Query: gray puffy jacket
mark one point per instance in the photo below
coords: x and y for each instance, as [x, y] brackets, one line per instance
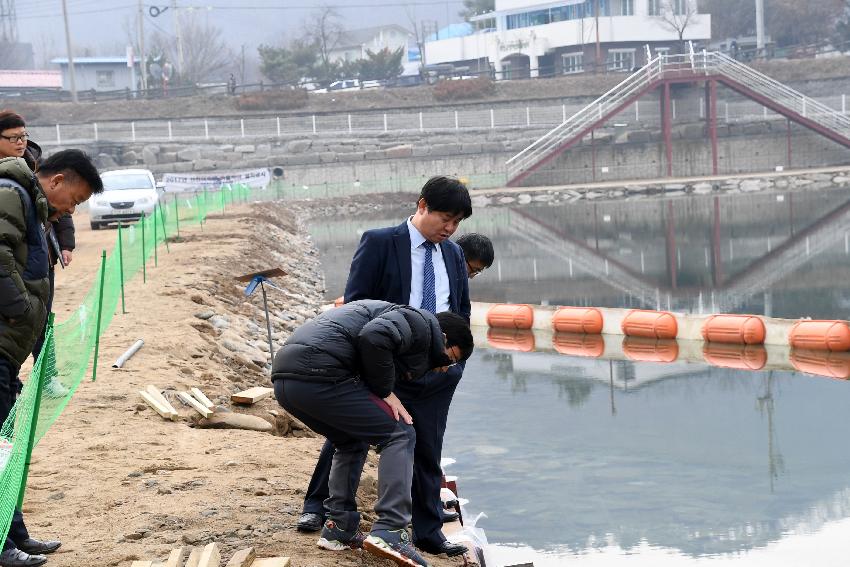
[379, 341]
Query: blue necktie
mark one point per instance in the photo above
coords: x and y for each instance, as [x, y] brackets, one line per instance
[429, 294]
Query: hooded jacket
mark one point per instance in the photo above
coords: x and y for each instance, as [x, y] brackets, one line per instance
[378, 341]
[24, 264]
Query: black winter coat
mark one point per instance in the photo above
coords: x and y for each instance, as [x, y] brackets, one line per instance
[379, 341]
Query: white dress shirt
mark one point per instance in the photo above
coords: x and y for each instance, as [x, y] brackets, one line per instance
[417, 265]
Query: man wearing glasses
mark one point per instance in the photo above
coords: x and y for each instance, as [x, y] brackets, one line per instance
[478, 251]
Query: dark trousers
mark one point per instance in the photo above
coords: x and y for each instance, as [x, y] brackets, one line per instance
[427, 400]
[353, 418]
[36, 350]
[9, 389]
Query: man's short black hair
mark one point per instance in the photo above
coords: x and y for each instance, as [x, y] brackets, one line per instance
[73, 162]
[457, 333]
[477, 248]
[447, 195]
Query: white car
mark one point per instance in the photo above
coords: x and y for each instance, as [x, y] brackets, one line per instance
[127, 194]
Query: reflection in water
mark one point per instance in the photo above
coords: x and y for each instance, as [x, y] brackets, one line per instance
[603, 461]
[774, 254]
[600, 453]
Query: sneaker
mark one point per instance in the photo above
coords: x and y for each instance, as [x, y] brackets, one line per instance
[53, 388]
[336, 539]
[394, 545]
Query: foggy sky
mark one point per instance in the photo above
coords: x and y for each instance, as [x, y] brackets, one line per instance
[101, 25]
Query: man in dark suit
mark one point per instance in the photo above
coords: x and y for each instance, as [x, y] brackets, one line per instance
[416, 264]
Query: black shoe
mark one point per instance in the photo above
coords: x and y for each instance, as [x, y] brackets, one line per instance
[447, 547]
[450, 516]
[17, 558]
[33, 546]
[309, 522]
[450, 504]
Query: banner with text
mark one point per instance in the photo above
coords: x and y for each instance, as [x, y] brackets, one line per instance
[176, 182]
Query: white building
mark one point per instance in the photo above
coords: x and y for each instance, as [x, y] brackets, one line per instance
[531, 38]
[353, 44]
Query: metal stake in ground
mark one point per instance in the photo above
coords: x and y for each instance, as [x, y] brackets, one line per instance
[258, 279]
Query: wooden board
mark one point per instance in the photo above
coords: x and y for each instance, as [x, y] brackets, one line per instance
[194, 557]
[242, 558]
[141, 564]
[157, 395]
[175, 558]
[199, 407]
[202, 398]
[251, 395]
[158, 407]
[271, 562]
[211, 556]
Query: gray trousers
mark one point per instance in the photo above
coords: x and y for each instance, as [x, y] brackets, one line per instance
[352, 418]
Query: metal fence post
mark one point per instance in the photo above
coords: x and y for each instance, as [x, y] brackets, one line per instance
[170, 136]
[528, 116]
[206, 129]
[385, 122]
[121, 265]
[314, 123]
[242, 126]
[457, 121]
[349, 124]
[492, 119]
[278, 126]
[58, 135]
[99, 313]
[95, 131]
[421, 125]
[133, 131]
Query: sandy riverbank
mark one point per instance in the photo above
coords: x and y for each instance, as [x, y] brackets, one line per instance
[117, 483]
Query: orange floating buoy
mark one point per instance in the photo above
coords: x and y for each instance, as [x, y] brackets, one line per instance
[508, 316]
[521, 340]
[734, 329]
[821, 363]
[574, 344]
[739, 357]
[339, 301]
[650, 324]
[642, 349]
[586, 320]
[820, 335]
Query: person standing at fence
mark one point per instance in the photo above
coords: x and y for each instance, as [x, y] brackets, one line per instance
[416, 264]
[15, 142]
[27, 202]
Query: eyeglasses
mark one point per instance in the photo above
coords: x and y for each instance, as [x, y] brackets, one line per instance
[473, 271]
[18, 138]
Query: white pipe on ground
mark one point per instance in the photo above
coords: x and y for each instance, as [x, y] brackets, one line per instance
[130, 352]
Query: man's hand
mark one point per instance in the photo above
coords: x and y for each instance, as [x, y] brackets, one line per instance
[66, 257]
[398, 409]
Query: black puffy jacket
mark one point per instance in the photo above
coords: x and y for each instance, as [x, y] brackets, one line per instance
[379, 341]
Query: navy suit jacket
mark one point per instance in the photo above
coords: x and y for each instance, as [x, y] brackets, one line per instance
[381, 269]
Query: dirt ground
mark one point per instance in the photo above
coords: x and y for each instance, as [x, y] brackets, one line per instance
[116, 482]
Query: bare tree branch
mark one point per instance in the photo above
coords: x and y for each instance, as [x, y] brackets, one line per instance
[678, 15]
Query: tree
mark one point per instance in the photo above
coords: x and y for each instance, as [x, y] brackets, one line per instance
[678, 15]
[476, 8]
[323, 30]
[791, 22]
[730, 18]
[206, 56]
[383, 65]
[287, 64]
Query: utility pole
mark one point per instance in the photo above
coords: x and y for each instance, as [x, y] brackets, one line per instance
[760, 26]
[71, 78]
[598, 46]
[143, 67]
[178, 35]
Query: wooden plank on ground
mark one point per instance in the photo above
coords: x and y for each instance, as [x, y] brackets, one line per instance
[251, 395]
[272, 562]
[194, 557]
[200, 408]
[210, 556]
[242, 558]
[157, 395]
[202, 398]
[158, 407]
[175, 558]
[141, 564]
